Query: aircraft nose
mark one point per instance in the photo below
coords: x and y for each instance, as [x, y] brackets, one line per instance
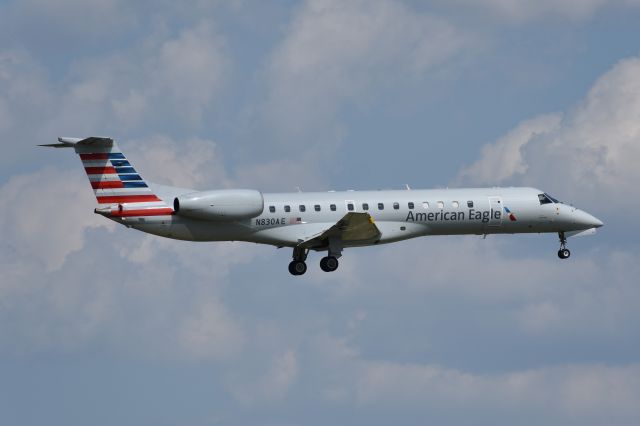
[583, 218]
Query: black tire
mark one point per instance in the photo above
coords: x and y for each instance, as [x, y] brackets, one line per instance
[566, 253]
[560, 254]
[329, 264]
[297, 267]
[323, 264]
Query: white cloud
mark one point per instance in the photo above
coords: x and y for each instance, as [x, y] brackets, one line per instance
[503, 159]
[160, 77]
[592, 394]
[210, 333]
[338, 52]
[191, 163]
[45, 215]
[191, 68]
[273, 385]
[592, 150]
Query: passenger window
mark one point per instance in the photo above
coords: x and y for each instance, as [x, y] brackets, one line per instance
[317, 207]
[302, 207]
[365, 206]
[411, 205]
[332, 207]
[380, 206]
[470, 204]
[455, 204]
[350, 207]
[425, 204]
[272, 209]
[396, 206]
[441, 204]
[287, 209]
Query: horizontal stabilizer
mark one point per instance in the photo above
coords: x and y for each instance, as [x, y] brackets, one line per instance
[71, 142]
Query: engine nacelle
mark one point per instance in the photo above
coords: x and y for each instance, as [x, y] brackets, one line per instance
[220, 205]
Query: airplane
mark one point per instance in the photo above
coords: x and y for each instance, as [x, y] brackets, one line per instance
[319, 221]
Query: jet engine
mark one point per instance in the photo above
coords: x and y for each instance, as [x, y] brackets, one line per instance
[220, 205]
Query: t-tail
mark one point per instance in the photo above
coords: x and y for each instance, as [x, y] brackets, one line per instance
[118, 187]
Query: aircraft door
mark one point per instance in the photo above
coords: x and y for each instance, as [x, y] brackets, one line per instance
[495, 218]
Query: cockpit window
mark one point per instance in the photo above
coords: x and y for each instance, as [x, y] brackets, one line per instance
[544, 199]
[551, 198]
[547, 199]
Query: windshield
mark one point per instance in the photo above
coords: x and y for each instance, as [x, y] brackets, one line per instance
[547, 199]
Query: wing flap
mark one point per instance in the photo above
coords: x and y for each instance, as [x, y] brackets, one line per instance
[352, 228]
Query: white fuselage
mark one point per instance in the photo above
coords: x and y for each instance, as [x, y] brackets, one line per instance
[289, 218]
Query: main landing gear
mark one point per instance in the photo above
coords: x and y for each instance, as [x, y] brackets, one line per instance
[564, 252]
[328, 263]
[297, 265]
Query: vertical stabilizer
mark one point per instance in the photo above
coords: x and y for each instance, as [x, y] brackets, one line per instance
[118, 187]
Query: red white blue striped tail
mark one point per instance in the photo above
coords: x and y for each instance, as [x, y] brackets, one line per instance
[118, 187]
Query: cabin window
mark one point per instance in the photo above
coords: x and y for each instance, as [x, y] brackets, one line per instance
[455, 204]
[470, 204]
[380, 206]
[365, 206]
[441, 204]
[425, 204]
[317, 207]
[272, 209]
[332, 207]
[411, 205]
[287, 209]
[350, 207]
[302, 207]
[396, 206]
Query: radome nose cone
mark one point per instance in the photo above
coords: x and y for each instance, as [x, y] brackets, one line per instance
[588, 221]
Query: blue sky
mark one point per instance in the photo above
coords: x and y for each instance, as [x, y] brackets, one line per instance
[104, 325]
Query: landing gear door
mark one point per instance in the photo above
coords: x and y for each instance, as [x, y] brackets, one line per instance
[495, 218]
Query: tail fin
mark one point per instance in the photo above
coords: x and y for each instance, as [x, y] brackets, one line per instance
[119, 189]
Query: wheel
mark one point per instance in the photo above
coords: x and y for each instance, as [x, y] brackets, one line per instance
[564, 253]
[329, 264]
[297, 267]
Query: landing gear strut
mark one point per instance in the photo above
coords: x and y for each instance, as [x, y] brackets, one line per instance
[297, 265]
[564, 252]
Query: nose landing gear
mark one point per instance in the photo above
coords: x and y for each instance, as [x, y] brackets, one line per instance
[564, 252]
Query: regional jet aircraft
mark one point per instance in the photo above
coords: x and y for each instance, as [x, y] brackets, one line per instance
[320, 221]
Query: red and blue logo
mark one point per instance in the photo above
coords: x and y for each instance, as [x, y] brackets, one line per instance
[512, 217]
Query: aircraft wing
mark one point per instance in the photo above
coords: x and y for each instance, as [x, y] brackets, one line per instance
[352, 228]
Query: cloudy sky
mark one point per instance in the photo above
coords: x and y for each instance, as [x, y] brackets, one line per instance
[103, 325]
